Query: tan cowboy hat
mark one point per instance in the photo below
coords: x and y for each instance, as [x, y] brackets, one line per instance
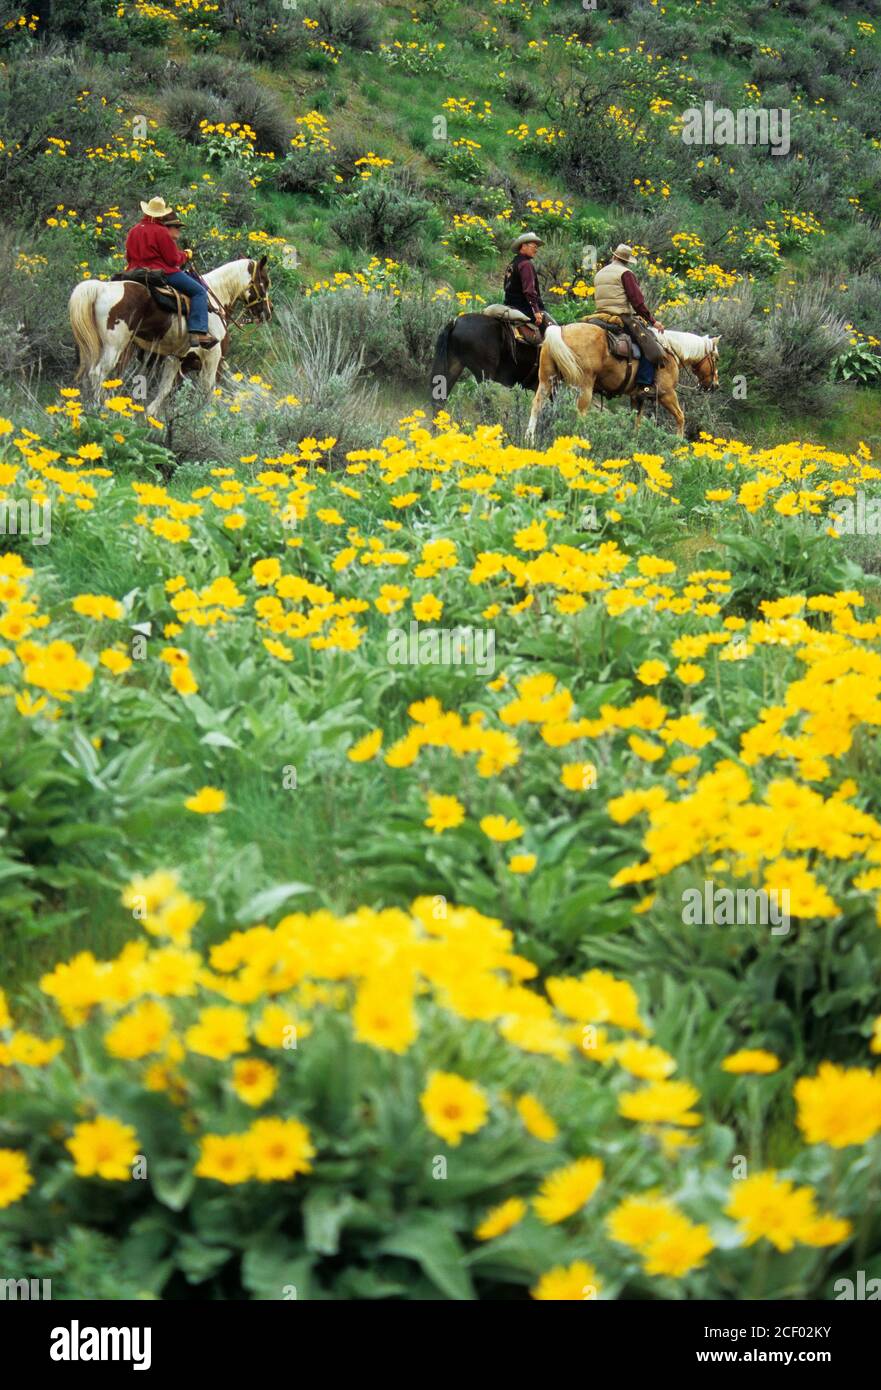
[524, 238]
[623, 252]
[157, 207]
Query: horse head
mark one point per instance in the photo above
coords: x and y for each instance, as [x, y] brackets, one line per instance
[707, 369]
[242, 288]
[257, 305]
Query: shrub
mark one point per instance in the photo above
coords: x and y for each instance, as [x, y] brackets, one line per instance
[104, 24]
[519, 92]
[266, 30]
[802, 338]
[231, 92]
[38, 100]
[304, 170]
[344, 23]
[396, 333]
[322, 364]
[37, 284]
[386, 216]
[186, 107]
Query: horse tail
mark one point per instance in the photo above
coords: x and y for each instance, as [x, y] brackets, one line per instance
[85, 326]
[441, 364]
[563, 357]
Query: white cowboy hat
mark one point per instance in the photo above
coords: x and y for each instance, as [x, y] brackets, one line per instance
[157, 207]
[524, 238]
[623, 252]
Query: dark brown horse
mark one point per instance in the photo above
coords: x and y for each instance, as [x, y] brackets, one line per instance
[484, 346]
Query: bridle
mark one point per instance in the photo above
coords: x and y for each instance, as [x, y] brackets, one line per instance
[694, 367]
[255, 296]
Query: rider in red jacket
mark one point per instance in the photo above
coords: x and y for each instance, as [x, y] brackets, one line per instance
[151, 245]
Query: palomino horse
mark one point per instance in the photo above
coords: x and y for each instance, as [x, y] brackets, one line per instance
[109, 317]
[699, 354]
[580, 355]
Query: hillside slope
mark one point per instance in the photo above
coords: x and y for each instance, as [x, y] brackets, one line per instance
[399, 147]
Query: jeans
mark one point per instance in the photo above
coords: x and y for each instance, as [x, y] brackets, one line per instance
[646, 374]
[197, 319]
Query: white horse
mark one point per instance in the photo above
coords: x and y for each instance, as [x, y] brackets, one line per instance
[110, 317]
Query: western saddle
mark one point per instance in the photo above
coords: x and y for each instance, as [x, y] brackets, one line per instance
[620, 342]
[164, 296]
[521, 327]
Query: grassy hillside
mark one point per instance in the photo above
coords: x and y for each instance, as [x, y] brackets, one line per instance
[398, 147]
[434, 866]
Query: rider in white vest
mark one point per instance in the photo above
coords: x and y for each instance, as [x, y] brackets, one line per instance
[617, 295]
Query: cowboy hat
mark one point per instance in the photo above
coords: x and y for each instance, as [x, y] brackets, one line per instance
[157, 207]
[623, 252]
[524, 238]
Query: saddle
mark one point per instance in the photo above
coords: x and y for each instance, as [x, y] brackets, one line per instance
[164, 296]
[518, 326]
[620, 343]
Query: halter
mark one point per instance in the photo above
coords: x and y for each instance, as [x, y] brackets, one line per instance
[707, 357]
[252, 301]
[254, 297]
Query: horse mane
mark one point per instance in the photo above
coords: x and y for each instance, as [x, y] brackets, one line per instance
[688, 347]
[224, 279]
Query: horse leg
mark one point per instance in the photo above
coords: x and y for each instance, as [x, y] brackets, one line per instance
[585, 398]
[670, 402]
[114, 349]
[455, 368]
[543, 392]
[209, 369]
[170, 373]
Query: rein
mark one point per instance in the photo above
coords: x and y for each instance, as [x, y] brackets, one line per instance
[253, 298]
[250, 302]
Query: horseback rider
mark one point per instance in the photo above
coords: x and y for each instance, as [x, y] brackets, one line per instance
[522, 288]
[152, 245]
[617, 296]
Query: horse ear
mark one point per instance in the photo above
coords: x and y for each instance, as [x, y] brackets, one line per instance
[262, 261]
[717, 341]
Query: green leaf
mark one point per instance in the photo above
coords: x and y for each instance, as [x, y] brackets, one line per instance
[173, 1180]
[324, 1215]
[431, 1242]
[274, 1267]
[198, 1260]
[268, 900]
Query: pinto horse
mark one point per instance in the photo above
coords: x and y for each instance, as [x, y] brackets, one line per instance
[110, 317]
[483, 346]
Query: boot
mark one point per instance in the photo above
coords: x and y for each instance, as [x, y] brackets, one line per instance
[202, 340]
